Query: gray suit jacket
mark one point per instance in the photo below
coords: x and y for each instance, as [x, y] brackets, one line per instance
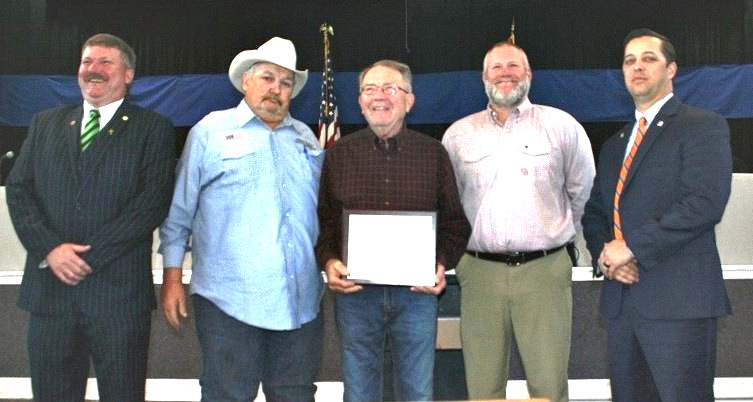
[111, 197]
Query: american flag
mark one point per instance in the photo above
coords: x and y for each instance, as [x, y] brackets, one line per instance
[329, 121]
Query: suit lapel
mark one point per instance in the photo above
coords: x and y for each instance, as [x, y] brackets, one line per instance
[106, 138]
[615, 163]
[662, 120]
[72, 140]
[73, 131]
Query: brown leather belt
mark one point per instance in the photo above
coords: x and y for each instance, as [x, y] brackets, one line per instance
[514, 259]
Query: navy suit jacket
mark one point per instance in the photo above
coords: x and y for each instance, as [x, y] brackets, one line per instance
[674, 195]
[111, 197]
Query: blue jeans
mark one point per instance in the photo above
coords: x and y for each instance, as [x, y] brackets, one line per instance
[366, 320]
[237, 357]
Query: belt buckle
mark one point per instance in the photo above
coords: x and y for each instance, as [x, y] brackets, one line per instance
[514, 259]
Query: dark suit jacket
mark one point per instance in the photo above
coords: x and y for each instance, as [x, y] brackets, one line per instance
[112, 197]
[674, 195]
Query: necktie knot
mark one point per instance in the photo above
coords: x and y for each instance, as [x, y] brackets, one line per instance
[90, 129]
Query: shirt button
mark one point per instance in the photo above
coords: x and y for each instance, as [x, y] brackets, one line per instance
[386, 180]
[386, 203]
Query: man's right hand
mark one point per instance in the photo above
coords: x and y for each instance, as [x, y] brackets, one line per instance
[173, 296]
[336, 272]
[66, 264]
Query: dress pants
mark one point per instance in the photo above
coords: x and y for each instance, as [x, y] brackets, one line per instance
[60, 348]
[661, 360]
[533, 303]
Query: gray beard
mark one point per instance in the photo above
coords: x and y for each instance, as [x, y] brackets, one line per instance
[512, 99]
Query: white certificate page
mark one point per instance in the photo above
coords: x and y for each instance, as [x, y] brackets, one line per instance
[391, 248]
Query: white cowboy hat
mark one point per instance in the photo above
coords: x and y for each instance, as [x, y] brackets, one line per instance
[276, 51]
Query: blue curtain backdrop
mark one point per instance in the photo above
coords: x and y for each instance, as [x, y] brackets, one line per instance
[596, 95]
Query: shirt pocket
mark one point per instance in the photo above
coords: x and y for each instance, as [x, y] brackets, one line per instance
[474, 154]
[538, 162]
[476, 164]
[537, 148]
[239, 162]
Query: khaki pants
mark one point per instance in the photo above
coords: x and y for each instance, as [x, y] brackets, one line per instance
[533, 302]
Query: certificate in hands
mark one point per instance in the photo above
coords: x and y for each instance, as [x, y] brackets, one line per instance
[390, 247]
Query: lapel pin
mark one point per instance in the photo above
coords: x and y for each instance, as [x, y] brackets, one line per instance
[125, 118]
[660, 123]
[110, 131]
[72, 123]
[622, 135]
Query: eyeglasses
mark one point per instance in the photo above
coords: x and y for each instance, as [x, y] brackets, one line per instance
[387, 89]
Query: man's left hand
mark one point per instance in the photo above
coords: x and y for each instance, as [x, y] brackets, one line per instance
[440, 283]
[628, 274]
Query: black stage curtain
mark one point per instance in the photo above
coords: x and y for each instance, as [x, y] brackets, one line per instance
[199, 36]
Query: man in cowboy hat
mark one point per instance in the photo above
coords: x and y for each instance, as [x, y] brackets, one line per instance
[246, 189]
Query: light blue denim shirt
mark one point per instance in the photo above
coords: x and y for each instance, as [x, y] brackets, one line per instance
[246, 197]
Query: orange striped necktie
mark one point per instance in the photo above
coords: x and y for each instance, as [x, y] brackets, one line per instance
[623, 176]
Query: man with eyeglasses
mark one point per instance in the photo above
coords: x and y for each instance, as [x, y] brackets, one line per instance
[388, 167]
[246, 194]
[524, 173]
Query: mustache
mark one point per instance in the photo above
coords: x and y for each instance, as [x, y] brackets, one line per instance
[505, 79]
[273, 98]
[94, 76]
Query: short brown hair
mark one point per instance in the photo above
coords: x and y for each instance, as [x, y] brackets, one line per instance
[109, 40]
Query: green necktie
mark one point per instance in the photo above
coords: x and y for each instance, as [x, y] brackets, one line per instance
[90, 129]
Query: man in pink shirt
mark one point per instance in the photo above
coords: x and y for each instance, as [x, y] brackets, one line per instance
[524, 172]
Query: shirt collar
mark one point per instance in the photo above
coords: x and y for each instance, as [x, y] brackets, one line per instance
[244, 114]
[651, 112]
[392, 144]
[106, 112]
[524, 106]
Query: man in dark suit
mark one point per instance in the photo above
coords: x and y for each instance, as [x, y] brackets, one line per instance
[661, 186]
[85, 203]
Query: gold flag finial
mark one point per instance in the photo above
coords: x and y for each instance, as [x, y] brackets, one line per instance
[327, 29]
[511, 39]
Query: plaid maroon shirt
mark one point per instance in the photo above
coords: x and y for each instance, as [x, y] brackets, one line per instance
[408, 172]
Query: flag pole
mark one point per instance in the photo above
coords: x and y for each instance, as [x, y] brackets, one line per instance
[326, 31]
[511, 38]
[329, 126]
